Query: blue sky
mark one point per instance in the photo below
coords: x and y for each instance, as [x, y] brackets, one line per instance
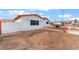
[52, 14]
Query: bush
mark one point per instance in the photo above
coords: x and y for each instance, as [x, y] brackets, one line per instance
[57, 26]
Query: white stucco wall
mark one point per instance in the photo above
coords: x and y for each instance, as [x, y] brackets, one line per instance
[44, 23]
[9, 27]
[23, 24]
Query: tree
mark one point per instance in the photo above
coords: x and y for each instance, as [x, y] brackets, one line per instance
[75, 21]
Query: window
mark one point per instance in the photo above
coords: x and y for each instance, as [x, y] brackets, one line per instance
[34, 22]
[47, 22]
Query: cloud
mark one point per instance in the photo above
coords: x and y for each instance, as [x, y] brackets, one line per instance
[21, 12]
[46, 16]
[43, 9]
[34, 10]
[11, 12]
[40, 13]
[74, 18]
[65, 16]
[35, 13]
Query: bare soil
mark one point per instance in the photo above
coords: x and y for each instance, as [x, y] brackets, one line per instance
[40, 40]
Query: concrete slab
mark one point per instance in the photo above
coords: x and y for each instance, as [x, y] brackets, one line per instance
[76, 32]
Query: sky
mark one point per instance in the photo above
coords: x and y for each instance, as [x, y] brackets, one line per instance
[51, 14]
[49, 8]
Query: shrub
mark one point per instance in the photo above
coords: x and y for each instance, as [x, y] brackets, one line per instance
[57, 26]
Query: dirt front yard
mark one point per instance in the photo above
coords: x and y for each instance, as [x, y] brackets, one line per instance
[39, 40]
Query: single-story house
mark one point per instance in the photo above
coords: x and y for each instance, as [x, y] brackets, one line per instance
[57, 23]
[23, 22]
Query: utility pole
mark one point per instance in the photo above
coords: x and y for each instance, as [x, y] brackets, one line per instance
[62, 18]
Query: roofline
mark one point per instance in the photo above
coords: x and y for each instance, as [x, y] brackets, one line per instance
[46, 18]
[7, 20]
[19, 16]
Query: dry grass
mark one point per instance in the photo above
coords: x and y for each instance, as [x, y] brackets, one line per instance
[40, 39]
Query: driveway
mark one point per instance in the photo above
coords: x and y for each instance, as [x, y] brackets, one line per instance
[76, 32]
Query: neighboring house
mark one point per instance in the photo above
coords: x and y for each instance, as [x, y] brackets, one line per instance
[77, 24]
[70, 26]
[57, 23]
[24, 22]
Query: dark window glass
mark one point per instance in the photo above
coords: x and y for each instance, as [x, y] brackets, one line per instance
[34, 22]
[47, 22]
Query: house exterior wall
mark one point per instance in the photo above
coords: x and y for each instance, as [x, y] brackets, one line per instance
[23, 24]
[9, 27]
[46, 25]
